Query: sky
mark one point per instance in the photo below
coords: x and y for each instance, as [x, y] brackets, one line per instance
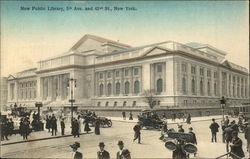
[28, 36]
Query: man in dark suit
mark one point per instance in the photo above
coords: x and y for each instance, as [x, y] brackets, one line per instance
[62, 126]
[137, 130]
[214, 129]
[53, 125]
[75, 153]
[102, 154]
[194, 140]
[122, 153]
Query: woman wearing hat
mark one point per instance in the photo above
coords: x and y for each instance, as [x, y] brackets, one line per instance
[75, 153]
[102, 154]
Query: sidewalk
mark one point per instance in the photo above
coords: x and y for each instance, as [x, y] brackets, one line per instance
[40, 135]
[45, 135]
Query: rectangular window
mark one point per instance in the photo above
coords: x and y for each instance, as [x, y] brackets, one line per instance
[184, 67]
[109, 74]
[208, 73]
[193, 69]
[117, 73]
[126, 72]
[202, 71]
[215, 74]
[159, 68]
[101, 75]
[136, 71]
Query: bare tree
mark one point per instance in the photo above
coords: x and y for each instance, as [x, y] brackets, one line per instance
[149, 98]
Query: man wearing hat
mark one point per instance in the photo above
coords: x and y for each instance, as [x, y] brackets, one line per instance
[194, 140]
[236, 146]
[137, 130]
[75, 153]
[122, 153]
[102, 154]
[214, 129]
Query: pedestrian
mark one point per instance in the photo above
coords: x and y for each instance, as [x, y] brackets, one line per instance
[122, 153]
[174, 117]
[97, 126]
[164, 116]
[102, 154]
[228, 136]
[130, 116]
[124, 115]
[10, 126]
[137, 130]
[75, 128]
[214, 129]
[75, 153]
[227, 121]
[194, 140]
[179, 152]
[247, 136]
[62, 126]
[48, 123]
[180, 129]
[86, 127]
[79, 123]
[236, 146]
[26, 128]
[4, 129]
[53, 125]
[188, 119]
[234, 126]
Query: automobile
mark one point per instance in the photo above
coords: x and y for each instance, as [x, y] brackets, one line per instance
[150, 120]
[104, 122]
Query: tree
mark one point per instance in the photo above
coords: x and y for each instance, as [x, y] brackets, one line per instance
[149, 98]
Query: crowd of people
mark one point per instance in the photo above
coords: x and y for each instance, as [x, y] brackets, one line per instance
[7, 128]
[230, 131]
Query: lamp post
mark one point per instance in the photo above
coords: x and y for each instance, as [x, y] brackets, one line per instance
[72, 84]
[223, 104]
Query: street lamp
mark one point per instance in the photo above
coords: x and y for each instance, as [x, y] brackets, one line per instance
[223, 104]
[72, 84]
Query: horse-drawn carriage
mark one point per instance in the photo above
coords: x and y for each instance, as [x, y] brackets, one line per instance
[150, 120]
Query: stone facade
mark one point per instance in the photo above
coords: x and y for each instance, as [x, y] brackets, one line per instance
[113, 75]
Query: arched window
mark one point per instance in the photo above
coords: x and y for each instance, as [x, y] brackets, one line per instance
[101, 89]
[137, 87]
[193, 86]
[159, 85]
[127, 87]
[201, 87]
[117, 88]
[184, 85]
[208, 88]
[109, 89]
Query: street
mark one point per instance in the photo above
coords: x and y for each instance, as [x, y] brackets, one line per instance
[151, 146]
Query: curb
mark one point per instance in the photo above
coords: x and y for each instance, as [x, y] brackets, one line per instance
[40, 139]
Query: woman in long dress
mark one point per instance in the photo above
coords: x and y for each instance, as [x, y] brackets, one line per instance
[97, 127]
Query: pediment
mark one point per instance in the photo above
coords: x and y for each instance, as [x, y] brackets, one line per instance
[227, 64]
[11, 77]
[155, 51]
[92, 42]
